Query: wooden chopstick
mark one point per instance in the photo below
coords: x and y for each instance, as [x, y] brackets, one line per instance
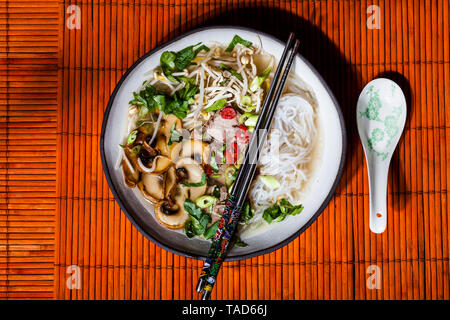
[216, 240]
[231, 214]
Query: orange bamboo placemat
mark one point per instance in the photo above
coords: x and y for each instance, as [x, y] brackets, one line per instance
[56, 209]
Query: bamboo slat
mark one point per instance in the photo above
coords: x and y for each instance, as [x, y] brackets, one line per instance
[56, 209]
[28, 111]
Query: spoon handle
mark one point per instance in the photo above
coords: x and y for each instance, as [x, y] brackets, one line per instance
[378, 176]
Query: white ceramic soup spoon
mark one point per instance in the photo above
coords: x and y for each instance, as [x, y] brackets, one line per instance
[381, 116]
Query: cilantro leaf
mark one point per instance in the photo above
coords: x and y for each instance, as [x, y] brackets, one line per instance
[167, 62]
[217, 105]
[192, 209]
[185, 56]
[236, 39]
[279, 211]
[199, 220]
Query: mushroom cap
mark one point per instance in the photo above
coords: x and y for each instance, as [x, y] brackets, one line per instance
[194, 172]
[172, 215]
[196, 149]
[171, 121]
[152, 186]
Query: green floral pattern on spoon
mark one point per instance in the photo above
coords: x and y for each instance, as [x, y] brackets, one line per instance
[381, 116]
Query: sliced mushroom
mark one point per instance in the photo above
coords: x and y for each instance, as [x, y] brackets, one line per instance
[158, 165]
[171, 122]
[195, 149]
[130, 173]
[171, 182]
[190, 171]
[152, 186]
[174, 154]
[163, 139]
[171, 213]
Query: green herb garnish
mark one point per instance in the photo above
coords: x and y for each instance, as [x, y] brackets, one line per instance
[167, 62]
[175, 136]
[279, 211]
[132, 137]
[136, 149]
[197, 184]
[236, 39]
[257, 81]
[220, 153]
[232, 71]
[211, 230]
[198, 221]
[150, 99]
[213, 162]
[217, 105]
[216, 192]
[185, 56]
[247, 213]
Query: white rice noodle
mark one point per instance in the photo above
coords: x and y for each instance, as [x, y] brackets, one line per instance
[293, 133]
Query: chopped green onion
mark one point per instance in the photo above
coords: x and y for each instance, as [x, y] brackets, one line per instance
[205, 201]
[250, 109]
[217, 105]
[221, 155]
[270, 181]
[230, 175]
[257, 81]
[246, 116]
[216, 176]
[213, 162]
[132, 137]
[136, 149]
[246, 101]
[251, 121]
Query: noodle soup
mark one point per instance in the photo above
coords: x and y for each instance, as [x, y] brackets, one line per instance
[189, 125]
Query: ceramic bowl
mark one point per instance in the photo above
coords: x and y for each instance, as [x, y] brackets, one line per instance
[321, 188]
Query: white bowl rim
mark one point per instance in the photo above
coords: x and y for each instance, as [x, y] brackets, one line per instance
[122, 204]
